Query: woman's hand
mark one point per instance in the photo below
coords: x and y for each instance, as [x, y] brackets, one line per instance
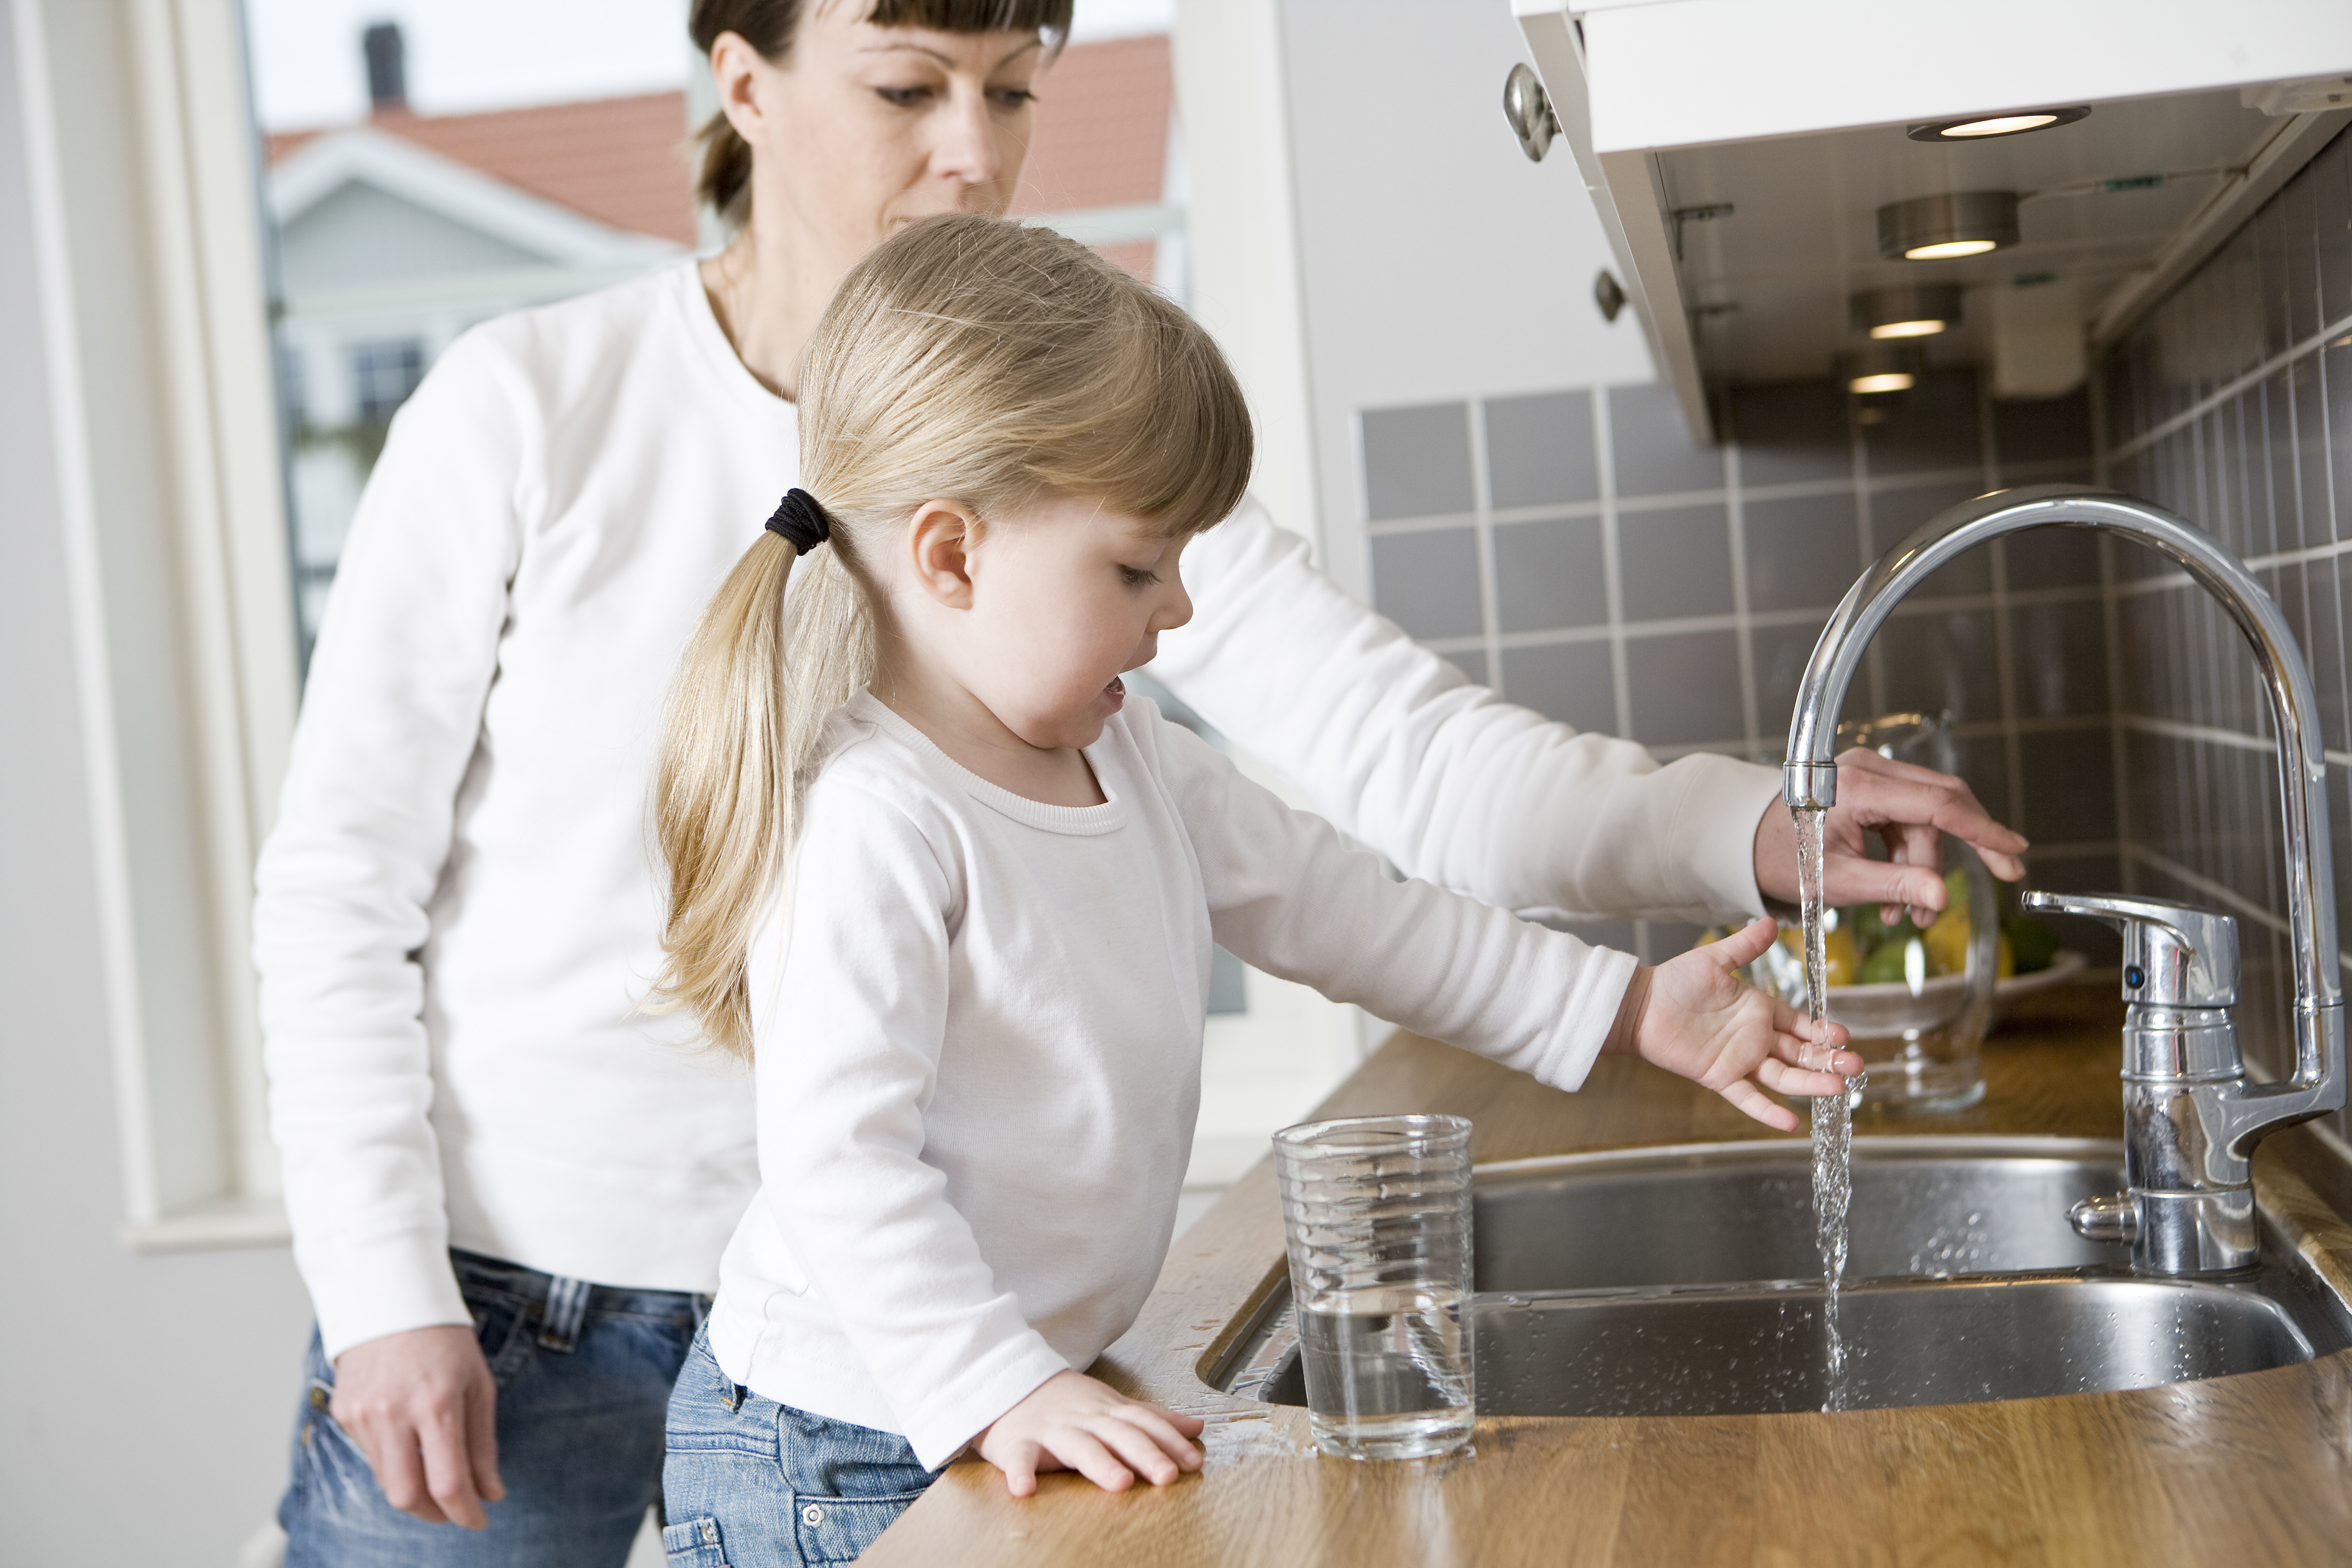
[1696, 1017]
[1071, 1422]
[423, 1408]
[1909, 808]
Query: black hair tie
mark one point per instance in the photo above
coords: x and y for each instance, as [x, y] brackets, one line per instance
[800, 521]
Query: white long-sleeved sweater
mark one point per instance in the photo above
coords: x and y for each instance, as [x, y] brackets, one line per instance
[459, 906]
[977, 1025]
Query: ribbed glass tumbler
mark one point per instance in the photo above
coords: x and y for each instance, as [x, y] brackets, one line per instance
[1376, 1210]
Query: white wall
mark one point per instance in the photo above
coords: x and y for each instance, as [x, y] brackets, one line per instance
[144, 1401]
[1437, 262]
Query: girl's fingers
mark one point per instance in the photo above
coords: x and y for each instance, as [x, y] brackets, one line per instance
[1084, 1452]
[1139, 1450]
[1746, 944]
[1020, 1468]
[1160, 1427]
[1781, 1078]
[1753, 1101]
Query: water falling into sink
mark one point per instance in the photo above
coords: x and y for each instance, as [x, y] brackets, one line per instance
[1833, 1115]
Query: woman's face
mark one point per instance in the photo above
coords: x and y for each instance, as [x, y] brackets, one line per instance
[861, 130]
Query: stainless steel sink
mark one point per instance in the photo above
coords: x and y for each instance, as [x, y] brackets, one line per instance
[1683, 1281]
[1718, 1213]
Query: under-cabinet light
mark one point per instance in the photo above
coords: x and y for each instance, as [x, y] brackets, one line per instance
[1953, 224]
[1978, 128]
[1907, 310]
[1877, 368]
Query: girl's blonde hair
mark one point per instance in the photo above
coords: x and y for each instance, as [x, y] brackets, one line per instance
[966, 358]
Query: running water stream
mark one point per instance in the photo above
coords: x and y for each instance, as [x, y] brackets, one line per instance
[1833, 1115]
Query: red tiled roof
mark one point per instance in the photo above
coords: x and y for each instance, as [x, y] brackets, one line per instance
[1101, 127]
[621, 160]
[1101, 141]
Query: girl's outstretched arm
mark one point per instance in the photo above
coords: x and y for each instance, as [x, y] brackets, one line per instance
[1693, 1015]
[1072, 1422]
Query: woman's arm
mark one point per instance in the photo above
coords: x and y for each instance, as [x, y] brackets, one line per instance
[1479, 794]
[391, 716]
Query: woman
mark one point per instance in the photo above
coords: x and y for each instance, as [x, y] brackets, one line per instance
[508, 1185]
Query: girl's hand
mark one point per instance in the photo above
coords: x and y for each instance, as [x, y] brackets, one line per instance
[1696, 1017]
[1071, 1422]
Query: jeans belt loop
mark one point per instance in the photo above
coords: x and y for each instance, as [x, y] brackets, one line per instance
[567, 1306]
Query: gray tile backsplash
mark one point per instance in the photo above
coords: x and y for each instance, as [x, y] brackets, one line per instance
[2230, 402]
[1539, 450]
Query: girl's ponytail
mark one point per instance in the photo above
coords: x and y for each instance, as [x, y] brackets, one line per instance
[745, 727]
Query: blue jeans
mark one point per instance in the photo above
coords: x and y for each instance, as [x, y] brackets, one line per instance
[750, 1483]
[584, 1373]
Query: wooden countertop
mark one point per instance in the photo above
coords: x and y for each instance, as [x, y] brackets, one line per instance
[2252, 1468]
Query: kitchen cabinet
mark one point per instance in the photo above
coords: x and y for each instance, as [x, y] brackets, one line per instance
[1739, 153]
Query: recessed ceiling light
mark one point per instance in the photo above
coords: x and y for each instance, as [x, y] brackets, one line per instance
[1977, 128]
[1907, 310]
[1939, 227]
[1880, 368]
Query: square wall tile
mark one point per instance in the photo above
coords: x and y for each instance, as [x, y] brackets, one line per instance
[1933, 426]
[2068, 792]
[1652, 447]
[2331, 177]
[1551, 574]
[2051, 558]
[2043, 430]
[1941, 661]
[1802, 551]
[1684, 689]
[1417, 461]
[1791, 430]
[1675, 563]
[1428, 583]
[1539, 450]
[2058, 653]
[1569, 682]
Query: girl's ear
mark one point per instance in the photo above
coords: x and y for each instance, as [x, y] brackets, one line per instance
[940, 537]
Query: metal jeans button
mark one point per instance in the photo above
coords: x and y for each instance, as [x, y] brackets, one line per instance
[812, 1514]
[710, 1533]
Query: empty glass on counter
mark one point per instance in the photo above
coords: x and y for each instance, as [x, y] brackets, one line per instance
[1376, 1211]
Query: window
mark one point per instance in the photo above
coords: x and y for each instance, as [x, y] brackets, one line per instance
[382, 375]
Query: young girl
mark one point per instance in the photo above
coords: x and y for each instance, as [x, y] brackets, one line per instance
[954, 893]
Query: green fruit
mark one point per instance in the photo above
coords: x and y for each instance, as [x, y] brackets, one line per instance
[2034, 943]
[1890, 965]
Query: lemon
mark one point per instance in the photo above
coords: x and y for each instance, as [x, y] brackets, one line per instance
[1841, 958]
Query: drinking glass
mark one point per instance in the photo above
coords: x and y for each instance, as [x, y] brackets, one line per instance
[1376, 1211]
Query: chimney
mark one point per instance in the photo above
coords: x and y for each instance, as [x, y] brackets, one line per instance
[387, 68]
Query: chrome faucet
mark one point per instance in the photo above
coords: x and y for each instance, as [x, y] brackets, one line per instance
[2191, 1119]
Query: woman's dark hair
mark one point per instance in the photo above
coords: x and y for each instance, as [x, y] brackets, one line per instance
[768, 26]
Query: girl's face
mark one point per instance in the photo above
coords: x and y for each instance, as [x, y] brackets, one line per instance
[1037, 616]
[860, 130]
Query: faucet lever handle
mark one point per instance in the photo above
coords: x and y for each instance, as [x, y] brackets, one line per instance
[2175, 956]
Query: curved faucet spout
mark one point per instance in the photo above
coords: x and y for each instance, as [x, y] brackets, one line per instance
[1810, 779]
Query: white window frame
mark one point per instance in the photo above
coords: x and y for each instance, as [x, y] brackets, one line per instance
[155, 334]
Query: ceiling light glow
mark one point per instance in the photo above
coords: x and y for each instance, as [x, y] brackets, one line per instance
[1926, 328]
[1906, 310]
[1884, 382]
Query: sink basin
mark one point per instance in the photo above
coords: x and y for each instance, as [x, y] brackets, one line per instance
[1719, 1213]
[1683, 1281]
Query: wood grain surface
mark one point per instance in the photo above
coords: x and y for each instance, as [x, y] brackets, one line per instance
[2248, 1470]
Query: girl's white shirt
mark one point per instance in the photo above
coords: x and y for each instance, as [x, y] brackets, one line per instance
[977, 1022]
[460, 906]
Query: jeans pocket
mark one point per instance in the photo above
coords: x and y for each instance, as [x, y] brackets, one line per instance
[498, 1318]
[694, 1544]
[840, 1529]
